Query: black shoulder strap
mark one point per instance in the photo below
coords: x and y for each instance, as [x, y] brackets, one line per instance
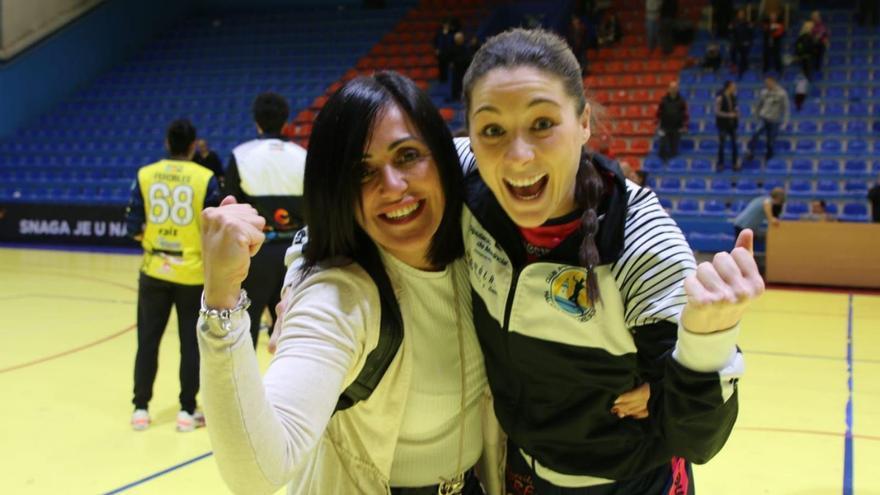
[390, 334]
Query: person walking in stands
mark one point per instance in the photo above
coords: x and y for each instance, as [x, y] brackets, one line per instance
[874, 198]
[443, 42]
[208, 158]
[267, 173]
[760, 211]
[805, 50]
[727, 122]
[774, 34]
[672, 118]
[774, 110]
[742, 35]
[163, 214]
[821, 39]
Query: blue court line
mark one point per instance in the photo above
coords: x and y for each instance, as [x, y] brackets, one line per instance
[749, 352]
[160, 473]
[848, 442]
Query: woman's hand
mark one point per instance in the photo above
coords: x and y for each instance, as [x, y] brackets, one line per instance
[634, 403]
[231, 234]
[720, 292]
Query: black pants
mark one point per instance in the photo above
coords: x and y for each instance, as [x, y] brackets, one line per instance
[669, 143]
[155, 298]
[471, 487]
[741, 59]
[819, 56]
[673, 478]
[773, 58]
[723, 134]
[771, 130]
[443, 61]
[263, 283]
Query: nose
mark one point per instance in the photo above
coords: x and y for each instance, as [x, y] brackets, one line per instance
[393, 181]
[519, 151]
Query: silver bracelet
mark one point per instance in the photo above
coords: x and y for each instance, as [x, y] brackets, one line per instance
[224, 316]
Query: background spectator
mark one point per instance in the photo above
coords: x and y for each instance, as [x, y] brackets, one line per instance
[774, 33]
[207, 158]
[576, 36]
[641, 178]
[773, 110]
[268, 173]
[874, 197]
[668, 24]
[712, 58]
[443, 41]
[742, 35]
[722, 15]
[461, 56]
[868, 13]
[805, 50]
[818, 212]
[672, 118]
[759, 210]
[610, 31]
[821, 39]
[727, 121]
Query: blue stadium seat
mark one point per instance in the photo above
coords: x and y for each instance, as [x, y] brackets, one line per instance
[829, 166]
[802, 166]
[737, 206]
[855, 167]
[670, 184]
[652, 164]
[854, 212]
[800, 188]
[835, 92]
[831, 145]
[858, 188]
[835, 109]
[856, 146]
[806, 145]
[720, 185]
[796, 208]
[859, 110]
[831, 208]
[769, 185]
[700, 165]
[776, 166]
[690, 206]
[695, 185]
[666, 203]
[677, 165]
[832, 127]
[708, 145]
[746, 187]
[826, 188]
[807, 127]
[714, 208]
[875, 168]
[856, 127]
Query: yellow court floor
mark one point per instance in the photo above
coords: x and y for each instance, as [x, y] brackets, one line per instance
[68, 342]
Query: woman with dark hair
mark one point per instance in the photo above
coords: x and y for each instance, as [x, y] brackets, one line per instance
[584, 288]
[383, 261]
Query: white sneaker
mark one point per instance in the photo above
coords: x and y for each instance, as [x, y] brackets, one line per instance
[140, 420]
[189, 422]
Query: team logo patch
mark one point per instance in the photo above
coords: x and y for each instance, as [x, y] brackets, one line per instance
[569, 293]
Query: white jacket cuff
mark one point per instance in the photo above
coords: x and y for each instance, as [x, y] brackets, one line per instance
[708, 352]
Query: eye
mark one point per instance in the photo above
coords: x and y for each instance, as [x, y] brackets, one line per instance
[408, 155]
[543, 124]
[492, 130]
[366, 172]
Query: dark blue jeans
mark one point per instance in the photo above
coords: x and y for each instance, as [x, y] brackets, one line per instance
[771, 129]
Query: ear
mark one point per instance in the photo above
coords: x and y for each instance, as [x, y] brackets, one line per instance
[585, 123]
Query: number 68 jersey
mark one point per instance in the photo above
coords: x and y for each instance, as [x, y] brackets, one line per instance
[174, 194]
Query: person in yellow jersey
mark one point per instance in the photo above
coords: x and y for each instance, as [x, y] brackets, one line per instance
[164, 215]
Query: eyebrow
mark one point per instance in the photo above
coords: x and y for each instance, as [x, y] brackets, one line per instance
[395, 144]
[536, 101]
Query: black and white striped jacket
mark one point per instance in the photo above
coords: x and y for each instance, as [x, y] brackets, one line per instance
[556, 364]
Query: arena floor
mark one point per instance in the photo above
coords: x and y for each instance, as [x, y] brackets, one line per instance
[809, 405]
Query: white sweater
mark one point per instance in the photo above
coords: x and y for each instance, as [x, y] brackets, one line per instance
[281, 428]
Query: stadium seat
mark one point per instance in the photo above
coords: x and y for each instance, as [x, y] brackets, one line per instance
[666, 203]
[720, 186]
[832, 127]
[858, 188]
[854, 212]
[855, 167]
[715, 208]
[701, 165]
[802, 166]
[830, 145]
[688, 206]
[746, 187]
[669, 185]
[800, 188]
[826, 188]
[829, 166]
[856, 146]
[776, 166]
[677, 165]
[796, 208]
[806, 145]
[807, 127]
[695, 185]
[652, 164]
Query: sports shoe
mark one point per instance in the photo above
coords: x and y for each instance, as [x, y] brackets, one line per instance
[189, 422]
[140, 420]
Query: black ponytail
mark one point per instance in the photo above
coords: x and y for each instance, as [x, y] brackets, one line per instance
[588, 195]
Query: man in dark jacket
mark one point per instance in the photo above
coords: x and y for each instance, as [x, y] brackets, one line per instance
[672, 117]
[741, 35]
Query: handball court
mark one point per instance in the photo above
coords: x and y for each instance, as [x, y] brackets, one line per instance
[809, 419]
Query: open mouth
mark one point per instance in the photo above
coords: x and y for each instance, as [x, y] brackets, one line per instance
[404, 214]
[527, 189]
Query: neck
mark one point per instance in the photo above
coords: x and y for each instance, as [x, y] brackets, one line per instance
[183, 158]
